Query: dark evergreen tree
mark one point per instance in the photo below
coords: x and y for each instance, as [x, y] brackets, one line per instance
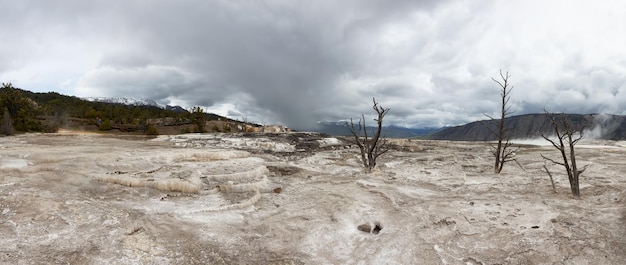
[21, 109]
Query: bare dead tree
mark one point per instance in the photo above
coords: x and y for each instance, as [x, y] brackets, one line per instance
[502, 151]
[566, 138]
[371, 148]
[6, 127]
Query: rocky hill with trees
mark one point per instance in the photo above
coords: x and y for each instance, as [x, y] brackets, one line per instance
[25, 111]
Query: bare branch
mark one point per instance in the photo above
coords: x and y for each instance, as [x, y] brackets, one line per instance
[583, 170]
[549, 174]
[564, 131]
[551, 141]
[552, 160]
[492, 131]
[371, 148]
[518, 164]
[501, 131]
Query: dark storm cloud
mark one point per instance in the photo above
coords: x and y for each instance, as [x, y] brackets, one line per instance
[285, 56]
[299, 62]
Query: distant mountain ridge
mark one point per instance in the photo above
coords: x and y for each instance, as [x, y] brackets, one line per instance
[53, 107]
[595, 126]
[126, 101]
[343, 129]
[135, 102]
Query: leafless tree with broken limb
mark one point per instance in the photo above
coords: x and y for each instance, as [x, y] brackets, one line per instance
[564, 139]
[502, 151]
[374, 146]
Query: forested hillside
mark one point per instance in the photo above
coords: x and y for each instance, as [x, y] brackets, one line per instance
[25, 111]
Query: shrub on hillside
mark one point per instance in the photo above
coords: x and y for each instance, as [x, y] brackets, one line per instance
[49, 127]
[105, 126]
[151, 130]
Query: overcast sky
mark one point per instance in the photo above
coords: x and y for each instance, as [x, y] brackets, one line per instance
[299, 62]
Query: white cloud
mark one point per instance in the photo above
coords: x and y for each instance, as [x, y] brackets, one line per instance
[431, 62]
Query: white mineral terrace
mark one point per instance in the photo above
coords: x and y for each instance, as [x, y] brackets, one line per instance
[221, 199]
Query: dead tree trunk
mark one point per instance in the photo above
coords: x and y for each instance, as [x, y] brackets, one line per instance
[371, 148]
[6, 127]
[502, 152]
[566, 139]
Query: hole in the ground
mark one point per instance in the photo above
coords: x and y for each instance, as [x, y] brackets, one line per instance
[377, 228]
[371, 228]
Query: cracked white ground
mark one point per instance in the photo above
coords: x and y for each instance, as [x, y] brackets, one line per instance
[263, 200]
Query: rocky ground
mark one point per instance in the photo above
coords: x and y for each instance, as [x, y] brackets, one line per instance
[298, 198]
